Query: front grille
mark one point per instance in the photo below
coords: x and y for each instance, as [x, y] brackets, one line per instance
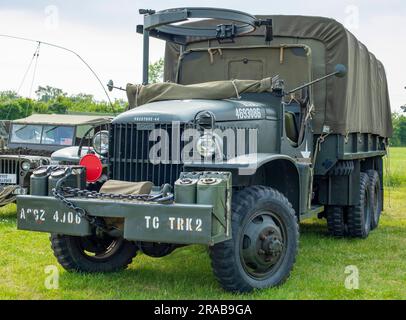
[129, 154]
[9, 166]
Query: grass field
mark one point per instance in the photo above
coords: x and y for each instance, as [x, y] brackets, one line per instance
[186, 274]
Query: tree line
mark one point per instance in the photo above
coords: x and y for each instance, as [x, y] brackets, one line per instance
[399, 130]
[54, 100]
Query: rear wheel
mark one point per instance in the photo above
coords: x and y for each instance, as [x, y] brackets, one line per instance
[376, 198]
[264, 246]
[336, 221]
[93, 254]
[359, 217]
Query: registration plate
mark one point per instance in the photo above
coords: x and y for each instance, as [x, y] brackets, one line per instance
[172, 223]
[52, 220]
[8, 178]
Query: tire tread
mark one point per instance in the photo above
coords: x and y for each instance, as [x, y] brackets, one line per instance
[222, 255]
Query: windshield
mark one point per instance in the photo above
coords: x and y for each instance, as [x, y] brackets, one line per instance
[42, 134]
[61, 136]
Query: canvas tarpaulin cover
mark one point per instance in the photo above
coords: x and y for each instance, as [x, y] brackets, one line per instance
[357, 103]
[216, 90]
[64, 119]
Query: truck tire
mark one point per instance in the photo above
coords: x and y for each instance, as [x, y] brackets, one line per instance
[91, 254]
[359, 216]
[336, 221]
[376, 198]
[342, 168]
[264, 244]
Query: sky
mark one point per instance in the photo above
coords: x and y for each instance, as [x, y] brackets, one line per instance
[104, 34]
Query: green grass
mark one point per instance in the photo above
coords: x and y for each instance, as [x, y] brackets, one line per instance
[395, 166]
[186, 274]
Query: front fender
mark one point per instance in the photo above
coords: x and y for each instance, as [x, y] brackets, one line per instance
[280, 172]
[247, 165]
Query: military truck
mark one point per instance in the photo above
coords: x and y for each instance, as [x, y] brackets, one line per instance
[257, 127]
[31, 142]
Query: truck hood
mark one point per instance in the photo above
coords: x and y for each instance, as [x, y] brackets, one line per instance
[186, 110]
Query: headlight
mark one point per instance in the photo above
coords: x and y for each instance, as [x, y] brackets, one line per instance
[210, 144]
[101, 142]
[26, 165]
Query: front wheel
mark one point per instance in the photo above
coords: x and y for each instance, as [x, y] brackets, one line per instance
[93, 254]
[264, 245]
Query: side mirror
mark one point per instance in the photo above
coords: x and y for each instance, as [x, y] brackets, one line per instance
[340, 71]
[110, 85]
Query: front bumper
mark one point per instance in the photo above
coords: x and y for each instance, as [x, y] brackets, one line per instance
[150, 222]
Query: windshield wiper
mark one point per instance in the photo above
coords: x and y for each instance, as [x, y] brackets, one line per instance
[23, 127]
[53, 128]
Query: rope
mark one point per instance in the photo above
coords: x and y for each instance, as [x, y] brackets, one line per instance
[28, 69]
[34, 56]
[319, 142]
[137, 93]
[214, 51]
[35, 69]
[282, 55]
[236, 90]
[7, 196]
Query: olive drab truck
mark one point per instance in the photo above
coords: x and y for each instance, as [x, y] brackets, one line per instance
[261, 122]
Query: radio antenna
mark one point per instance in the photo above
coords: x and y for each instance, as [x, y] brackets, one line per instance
[39, 42]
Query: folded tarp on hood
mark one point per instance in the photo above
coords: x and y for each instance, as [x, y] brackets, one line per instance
[216, 90]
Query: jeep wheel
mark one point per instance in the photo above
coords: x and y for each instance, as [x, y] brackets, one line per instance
[335, 221]
[92, 254]
[359, 217]
[376, 196]
[264, 246]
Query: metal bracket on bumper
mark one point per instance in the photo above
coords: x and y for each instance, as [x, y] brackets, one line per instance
[168, 223]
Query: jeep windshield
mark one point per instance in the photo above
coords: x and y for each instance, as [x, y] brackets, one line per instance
[42, 134]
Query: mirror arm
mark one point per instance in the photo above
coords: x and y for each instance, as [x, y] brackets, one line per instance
[312, 82]
[340, 71]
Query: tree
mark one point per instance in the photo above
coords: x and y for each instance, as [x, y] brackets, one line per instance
[399, 130]
[49, 93]
[156, 71]
[8, 95]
